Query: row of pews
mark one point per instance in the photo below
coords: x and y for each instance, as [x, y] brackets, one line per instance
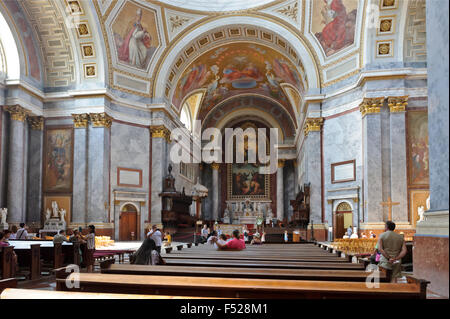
[270, 271]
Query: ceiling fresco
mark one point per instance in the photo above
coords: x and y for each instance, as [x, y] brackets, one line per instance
[236, 69]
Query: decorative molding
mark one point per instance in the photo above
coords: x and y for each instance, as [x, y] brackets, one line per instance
[17, 113]
[290, 11]
[36, 122]
[281, 163]
[398, 103]
[160, 131]
[215, 166]
[80, 120]
[101, 120]
[371, 105]
[313, 124]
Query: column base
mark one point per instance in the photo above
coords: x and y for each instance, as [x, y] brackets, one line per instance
[435, 223]
[320, 232]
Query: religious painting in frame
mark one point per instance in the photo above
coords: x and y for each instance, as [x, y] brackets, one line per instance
[64, 202]
[334, 24]
[418, 161]
[417, 201]
[245, 181]
[135, 35]
[58, 159]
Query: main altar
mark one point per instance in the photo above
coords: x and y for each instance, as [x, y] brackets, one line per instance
[247, 211]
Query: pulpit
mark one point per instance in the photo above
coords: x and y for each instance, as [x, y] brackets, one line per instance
[175, 206]
[300, 206]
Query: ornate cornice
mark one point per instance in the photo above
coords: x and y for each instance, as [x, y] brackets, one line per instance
[215, 166]
[397, 103]
[80, 120]
[312, 124]
[36, 123]
[371, 105]
[160, 131]
[17, 113]
[101, 120]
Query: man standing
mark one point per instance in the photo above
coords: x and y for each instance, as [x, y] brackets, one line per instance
[392, 248]
[156, 235]
[22, 233]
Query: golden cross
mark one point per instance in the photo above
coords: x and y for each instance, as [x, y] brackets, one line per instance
[389, 203]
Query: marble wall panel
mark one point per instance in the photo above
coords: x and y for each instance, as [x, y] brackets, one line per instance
[34, 195]
[80, 176]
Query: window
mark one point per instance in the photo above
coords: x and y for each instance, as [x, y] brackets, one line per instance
[187, 170]
[185, 117]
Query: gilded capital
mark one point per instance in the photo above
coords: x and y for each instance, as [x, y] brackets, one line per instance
[160, 131]
[36, 122]
[281, 163]
[80, 120]
[100, 120]
[17, 113]
[371, 105]
[397, 103]
[215, 166]
[313, 124]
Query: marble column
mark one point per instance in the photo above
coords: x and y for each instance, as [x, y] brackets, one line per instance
[215, 190]
[280, 190]
[160, 136]
[373, 176]
[35, 174]
[398, 160]
[98, 168]
[80, 169]
[312, 131]
[16, 170]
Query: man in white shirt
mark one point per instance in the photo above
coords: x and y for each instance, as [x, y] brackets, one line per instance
[60, 237]
[22, 233]
[156, 235]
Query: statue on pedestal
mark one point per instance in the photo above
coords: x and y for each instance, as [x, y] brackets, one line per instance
[420, 212]
[55, 213]
[226, 215]
[48, 214]
[62, 213]
[3, 215]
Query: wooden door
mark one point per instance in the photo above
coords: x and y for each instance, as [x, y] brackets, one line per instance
[339, 229]
[128, 225]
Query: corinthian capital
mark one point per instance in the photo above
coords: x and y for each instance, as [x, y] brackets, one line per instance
[397, 103]
[80, 120]
[36, 122]
[371, 105]
[313, 124]
[100, 120]
[17, 113]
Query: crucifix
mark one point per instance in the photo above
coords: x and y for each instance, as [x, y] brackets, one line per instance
[389, 203]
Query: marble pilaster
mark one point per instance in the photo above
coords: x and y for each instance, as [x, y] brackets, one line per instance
[34, 189]
[280, 190]
[398, 160]
[98, 168]
[372, 154]
[80, 166]
[215, 190]
[160, 137]
[16, 170]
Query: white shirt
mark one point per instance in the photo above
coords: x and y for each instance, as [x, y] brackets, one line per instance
[354, 235]
[21, 234]
[90, 241]
[156, 236]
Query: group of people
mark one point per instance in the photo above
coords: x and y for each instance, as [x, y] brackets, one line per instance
[353, 234]
[150, 251]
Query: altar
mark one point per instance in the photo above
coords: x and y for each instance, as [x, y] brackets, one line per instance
[247, 211]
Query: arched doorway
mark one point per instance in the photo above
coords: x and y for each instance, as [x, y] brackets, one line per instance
[128, 223]
[343, 218]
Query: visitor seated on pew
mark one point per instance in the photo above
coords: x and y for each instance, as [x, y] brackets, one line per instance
[256, 240]
[392, 248]
[4, 243]
[234, 244]
[147, 254]
[212, 237]
[60, 237]
[167, 239]
[22, 233]
[13, 232]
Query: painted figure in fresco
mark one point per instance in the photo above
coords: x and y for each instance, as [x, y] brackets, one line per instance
[194, 79]
[339, 26]
[134, 48]
[58, 159]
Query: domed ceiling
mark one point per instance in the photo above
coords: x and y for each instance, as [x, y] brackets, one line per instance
[216, 5]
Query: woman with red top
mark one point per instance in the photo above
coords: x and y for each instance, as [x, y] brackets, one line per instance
[234, 244]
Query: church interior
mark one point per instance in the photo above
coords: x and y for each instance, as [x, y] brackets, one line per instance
[117, 114]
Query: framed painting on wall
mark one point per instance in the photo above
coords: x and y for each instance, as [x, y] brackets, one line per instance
[64, 202]
[245, 181]
[58, 159]
[418, 165]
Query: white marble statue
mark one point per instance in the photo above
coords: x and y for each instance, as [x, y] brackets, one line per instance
[270, 212]
[48, 214]
[428, 202]
[226, 212]
[420, 212]
[55, 213]
[3, 215]
[62, 213]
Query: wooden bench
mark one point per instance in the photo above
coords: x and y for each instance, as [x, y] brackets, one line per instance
[263, 264]
[261, 273]
[242, 288]
[11, 293]
[29, 261]
[8, 283]
[257, 258]
[7, 267]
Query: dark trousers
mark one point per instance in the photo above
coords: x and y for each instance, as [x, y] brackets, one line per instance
[158, 249]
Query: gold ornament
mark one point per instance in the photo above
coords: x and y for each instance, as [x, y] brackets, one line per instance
[371, 105]
[313, 124]
[17, 113]
[397, 103]
[100, 120]
[80, 120]
[36, 122]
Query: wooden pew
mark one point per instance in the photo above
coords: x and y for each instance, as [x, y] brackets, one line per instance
[8, 283]
[263, 264]
[261, 273]
[11, 293]
[257, 258]
[7, 266]
[30, 260]
[243, 288]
